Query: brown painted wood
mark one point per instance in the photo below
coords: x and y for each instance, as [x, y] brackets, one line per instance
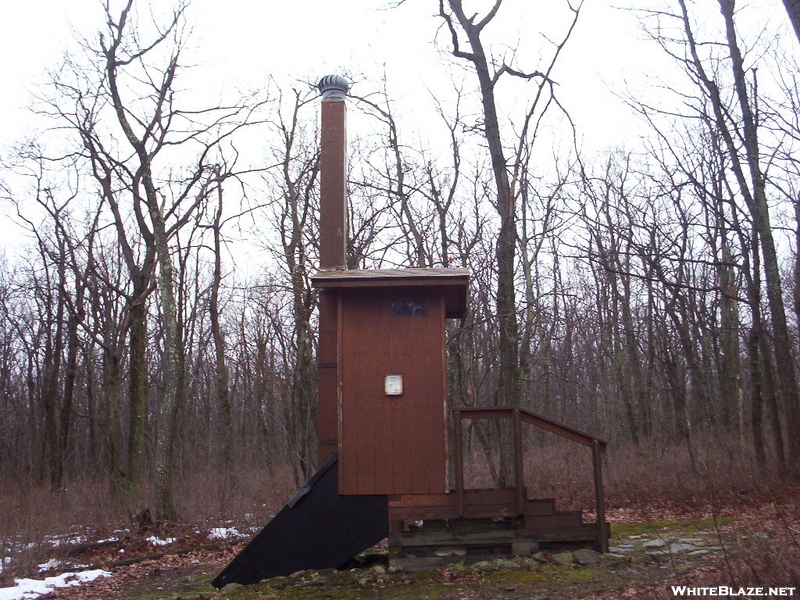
[519, 468]
[333, 184]
[501, 412]
[486, 535]
[327, 373]
[459, 461]
[600, 502]
[391, 444]
[584, 533]
[451, 283]
[392, 277]
[477, 504]
[437, 543]
[562, 519]
[443, 538]
[471, 498]
[440, 538]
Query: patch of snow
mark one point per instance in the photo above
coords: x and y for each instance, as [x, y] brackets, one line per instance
[221, 533]
[159, 542]
[24, 589]
[53, 563]
[60, 541]
[107, 540]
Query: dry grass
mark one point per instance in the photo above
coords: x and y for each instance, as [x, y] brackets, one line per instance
[209, 498]
[648, 480]
[33, 520]
[650, 484]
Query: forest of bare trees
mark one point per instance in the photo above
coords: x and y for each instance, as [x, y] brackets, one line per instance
[649, 294]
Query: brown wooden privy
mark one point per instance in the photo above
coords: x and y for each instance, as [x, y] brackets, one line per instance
[383, 421]
[391, 384]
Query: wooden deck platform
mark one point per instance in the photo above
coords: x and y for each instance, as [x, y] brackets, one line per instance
[426, 531]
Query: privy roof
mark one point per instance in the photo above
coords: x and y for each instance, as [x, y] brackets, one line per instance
[453, 282]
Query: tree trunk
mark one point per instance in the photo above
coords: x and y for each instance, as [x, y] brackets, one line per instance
[137, 390]
[787, 382]
[50, 386]
[793, 10]
[221, 381]
[173, 367]
[508, 373]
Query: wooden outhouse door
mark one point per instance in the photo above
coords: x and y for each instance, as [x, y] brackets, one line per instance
[392, 391]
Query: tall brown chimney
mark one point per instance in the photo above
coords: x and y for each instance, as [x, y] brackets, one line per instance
[332, 255]
[333, 173]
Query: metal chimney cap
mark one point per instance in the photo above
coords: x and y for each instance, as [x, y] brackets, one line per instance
[333, 87]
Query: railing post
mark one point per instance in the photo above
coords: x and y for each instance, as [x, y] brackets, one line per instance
[600, 504]
[459, 462]
[518, 462]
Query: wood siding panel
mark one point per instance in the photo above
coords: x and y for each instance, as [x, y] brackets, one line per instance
[391, 444]
[327, 356]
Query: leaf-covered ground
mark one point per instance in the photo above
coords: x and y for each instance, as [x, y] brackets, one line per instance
[654, 546]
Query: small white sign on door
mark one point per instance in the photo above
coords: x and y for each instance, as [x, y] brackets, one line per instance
[393, 385]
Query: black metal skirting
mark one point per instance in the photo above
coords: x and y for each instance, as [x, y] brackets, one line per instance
[317, 529]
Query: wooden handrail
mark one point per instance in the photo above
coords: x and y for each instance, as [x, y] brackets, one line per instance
[518, 415]
[499, 412]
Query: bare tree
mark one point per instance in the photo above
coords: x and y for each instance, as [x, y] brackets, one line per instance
[793, 11]
[294, 212]
[743, 148]
[128, 118]
[467, 43]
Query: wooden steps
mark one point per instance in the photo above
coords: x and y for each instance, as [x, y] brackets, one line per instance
[477, 504]
[426, 531]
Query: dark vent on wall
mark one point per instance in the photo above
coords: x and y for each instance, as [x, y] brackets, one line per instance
[408, 309]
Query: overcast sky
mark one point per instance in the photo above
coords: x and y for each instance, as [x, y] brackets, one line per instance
[244, 42]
